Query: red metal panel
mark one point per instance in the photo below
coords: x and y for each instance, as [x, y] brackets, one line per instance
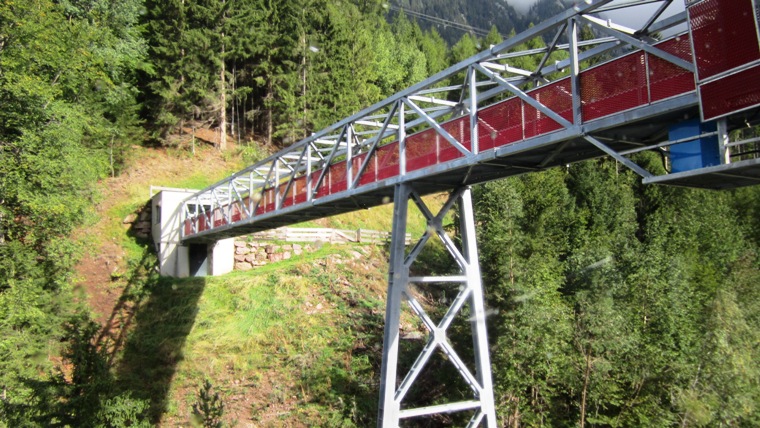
[500, 124]
[665, 78]
[299, 186]
[218, 217]
[324, 187]
[370, 173]
[558, 98]
[235, 212]
[287, 199]
[387, 161]
[266, 203]
[460, 130]
[421, 150]
[731, 94]
[189, 226]
[614, 87]
[338, 177]
[725, 35]
[202, 223]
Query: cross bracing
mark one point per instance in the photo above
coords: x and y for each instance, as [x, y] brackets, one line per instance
[490, 119]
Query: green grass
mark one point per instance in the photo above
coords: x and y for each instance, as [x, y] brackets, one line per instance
[298, 339]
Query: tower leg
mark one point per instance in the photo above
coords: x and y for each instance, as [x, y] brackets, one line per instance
[392, 392]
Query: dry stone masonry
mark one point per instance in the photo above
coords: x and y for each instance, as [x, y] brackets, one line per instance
[252, 254]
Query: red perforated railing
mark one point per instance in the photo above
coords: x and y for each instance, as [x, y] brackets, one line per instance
[721, 26]
[632, 81]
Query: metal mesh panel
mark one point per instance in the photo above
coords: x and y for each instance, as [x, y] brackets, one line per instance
[500, 124]
[558, 98]
[266, 203]
[299, 186]
[338, 177]
[218, 217]
[287, 199]
[324, 187]
[613, 87]
[460, 130]
[236, 213]
[730, 94]
[370, 173]
[665, 78]
[387, 161]
[421, 150]
[724, 35]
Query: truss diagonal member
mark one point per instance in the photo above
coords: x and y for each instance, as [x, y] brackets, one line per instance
[645, 28]
[420, 312]
[617, 156]
[417, 367]
[239, 199]
[609, 29]
[552, 46]
[379, 137]
[293, 175]
[525, 97]
[328, 162]
[438, 128]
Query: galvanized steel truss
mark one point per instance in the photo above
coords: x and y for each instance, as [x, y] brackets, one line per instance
[267, 188]
[393, 392]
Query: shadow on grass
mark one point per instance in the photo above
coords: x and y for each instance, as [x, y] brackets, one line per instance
[147, 330]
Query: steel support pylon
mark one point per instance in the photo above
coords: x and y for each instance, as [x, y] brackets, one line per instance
[392, 393]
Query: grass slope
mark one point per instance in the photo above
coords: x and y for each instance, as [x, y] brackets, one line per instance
[292, 344]
[296, 343]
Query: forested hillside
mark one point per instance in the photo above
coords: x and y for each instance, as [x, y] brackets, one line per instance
[614, 303]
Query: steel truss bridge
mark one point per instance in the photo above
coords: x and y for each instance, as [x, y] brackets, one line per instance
[625, 91]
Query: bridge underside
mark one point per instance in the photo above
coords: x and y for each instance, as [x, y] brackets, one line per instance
[630, 130]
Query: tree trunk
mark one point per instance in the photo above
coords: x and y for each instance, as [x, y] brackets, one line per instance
[223, 112]
[586, 376]
[270, 95]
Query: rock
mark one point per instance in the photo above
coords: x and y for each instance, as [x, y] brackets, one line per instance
[270, 249]
[242, 250]
[240, 257]
[243, 266]
[145, 215]
[297, 247]
[286, 255]
[287, 247]
[130, 218]
[297, 252]
[250, 258]
[239, 244]
[276, 257]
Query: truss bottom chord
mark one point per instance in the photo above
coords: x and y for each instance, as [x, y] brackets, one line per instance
[392, 389]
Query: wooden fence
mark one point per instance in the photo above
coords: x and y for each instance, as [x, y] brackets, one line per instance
[333, 236]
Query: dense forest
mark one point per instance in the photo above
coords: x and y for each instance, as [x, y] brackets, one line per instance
[616, 304]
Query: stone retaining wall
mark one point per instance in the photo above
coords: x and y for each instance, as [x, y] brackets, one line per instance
[252, 254]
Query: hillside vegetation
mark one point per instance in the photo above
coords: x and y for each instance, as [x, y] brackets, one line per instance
[611, 303]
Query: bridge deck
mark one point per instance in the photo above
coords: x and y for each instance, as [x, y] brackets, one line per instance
[488, 127]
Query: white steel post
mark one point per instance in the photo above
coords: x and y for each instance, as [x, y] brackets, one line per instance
[398, 278]
[477, 306]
